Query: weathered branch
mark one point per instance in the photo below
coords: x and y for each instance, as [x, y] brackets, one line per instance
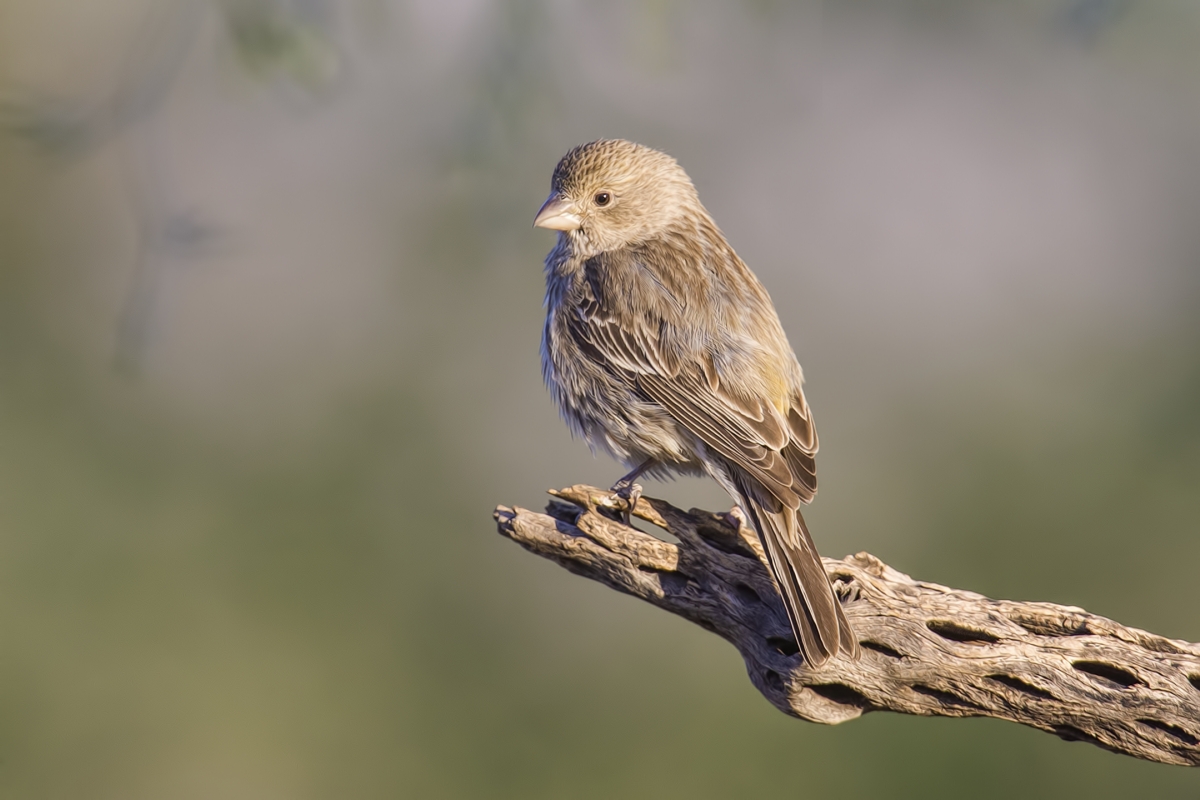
[927, 649]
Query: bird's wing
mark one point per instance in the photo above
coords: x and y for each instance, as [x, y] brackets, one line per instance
[802, 449]
[749, 432]
[766, 455]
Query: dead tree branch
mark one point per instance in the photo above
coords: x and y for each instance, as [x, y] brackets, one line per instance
[927, 649]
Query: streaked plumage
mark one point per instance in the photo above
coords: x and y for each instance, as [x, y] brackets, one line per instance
[662, 348]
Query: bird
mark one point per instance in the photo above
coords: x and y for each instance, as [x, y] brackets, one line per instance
[663, 349]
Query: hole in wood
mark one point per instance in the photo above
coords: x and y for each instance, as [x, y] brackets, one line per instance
[844, 587]
[840, 693]
[1171, 730]
[773, 680]
[960, 633]
[1021, 686]
[879, 647]
[650, 529]
[783, 645]
[746, 594]
[1194, 680]
[611, 513]
[1107, 672]
[1072, 734]
[942, 696]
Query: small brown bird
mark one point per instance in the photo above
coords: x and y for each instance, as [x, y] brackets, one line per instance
[663, 349]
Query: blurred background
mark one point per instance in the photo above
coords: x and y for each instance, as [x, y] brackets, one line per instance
[270, 305]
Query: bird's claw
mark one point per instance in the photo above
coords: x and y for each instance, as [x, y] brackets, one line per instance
[625, 494]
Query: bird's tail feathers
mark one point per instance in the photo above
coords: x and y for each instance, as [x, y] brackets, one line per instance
[816, 616]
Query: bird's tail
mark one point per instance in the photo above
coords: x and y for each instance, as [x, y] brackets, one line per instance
[821, 628]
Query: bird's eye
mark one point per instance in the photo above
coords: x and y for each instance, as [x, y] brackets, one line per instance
[602, 198]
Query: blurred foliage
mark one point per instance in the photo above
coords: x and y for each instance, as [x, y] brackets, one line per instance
[263, 565]
[291, 38]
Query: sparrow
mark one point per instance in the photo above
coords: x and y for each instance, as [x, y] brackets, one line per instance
[662, 349]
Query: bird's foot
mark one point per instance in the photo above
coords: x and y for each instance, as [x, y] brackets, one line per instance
[625, 494]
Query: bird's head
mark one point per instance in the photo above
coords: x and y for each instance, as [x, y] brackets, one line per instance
[612, 193]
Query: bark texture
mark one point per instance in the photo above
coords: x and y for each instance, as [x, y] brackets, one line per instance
[927, 649]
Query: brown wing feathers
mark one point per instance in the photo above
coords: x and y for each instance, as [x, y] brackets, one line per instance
[770, 462]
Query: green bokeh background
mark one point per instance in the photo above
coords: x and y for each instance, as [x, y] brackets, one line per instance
[269, 313]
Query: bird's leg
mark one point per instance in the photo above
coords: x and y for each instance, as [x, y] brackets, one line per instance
[626, 492]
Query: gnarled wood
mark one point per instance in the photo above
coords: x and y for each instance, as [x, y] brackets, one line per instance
[927, 649]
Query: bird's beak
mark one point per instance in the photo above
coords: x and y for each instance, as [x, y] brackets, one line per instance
[558, 213]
